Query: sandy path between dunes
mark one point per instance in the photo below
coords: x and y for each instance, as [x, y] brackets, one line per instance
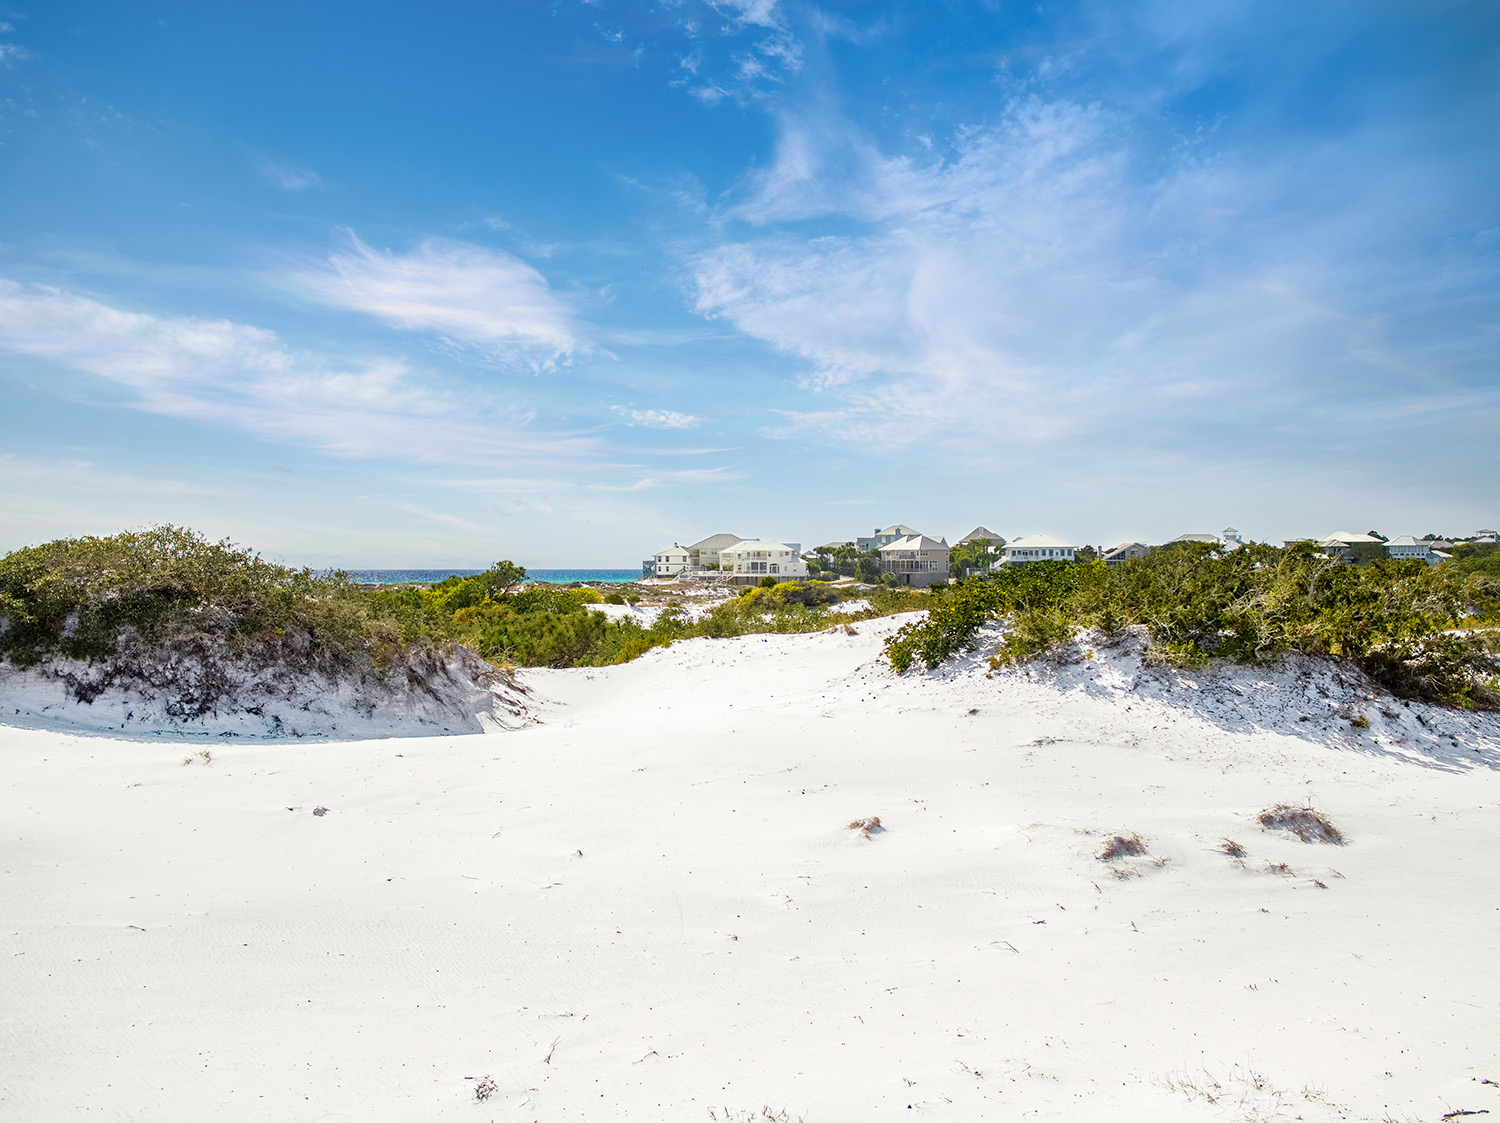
[646, 907]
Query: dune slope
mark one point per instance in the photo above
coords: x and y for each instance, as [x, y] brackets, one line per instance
[648, 906]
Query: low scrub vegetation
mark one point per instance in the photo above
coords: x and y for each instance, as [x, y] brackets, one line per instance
[1421, 631]
[86, 598]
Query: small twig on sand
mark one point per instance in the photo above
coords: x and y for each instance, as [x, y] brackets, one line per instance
[547, 1060]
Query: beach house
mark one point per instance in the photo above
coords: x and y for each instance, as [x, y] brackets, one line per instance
[981, 534]
[916, 560]
[749, 560]
[1125, 552]
[1340, 544]
[881, 537]
[671, 562]
[1035, 548]
[704, 555]
[1406, 547]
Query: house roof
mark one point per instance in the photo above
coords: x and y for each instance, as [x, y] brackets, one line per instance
[1214, 538]
[898, 528]
[914, 542]
[1345, 538]
[716, 542]
[980, 532]
[755, 544]
[1405, 540]
[831, 546]
[673, 548]
[1125, 546]
[1031, 540]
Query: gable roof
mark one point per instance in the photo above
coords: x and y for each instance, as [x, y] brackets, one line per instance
[1214, 538]
[756, 544]
[1345, 538]
[980, 532]
[1406, 540]
[914, 542]
[716, 542]
[898, 528]
[1123, 546]
[1031, 540]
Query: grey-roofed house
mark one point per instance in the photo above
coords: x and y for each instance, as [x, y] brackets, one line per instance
[981, 534]
[916, 560]
[881, 537]
[706, 552]
[1406, 547]
[1125, 552]
[1035, 548]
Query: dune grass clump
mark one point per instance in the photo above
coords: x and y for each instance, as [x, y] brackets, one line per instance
[866, 827]
[1307, 824]
[1122, 846]
[1231, 848]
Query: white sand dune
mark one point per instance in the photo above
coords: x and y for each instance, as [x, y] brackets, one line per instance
[206, 693]
[647, 906]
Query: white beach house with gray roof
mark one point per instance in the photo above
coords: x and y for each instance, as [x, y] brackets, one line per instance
[749, 560]
[1035, 548]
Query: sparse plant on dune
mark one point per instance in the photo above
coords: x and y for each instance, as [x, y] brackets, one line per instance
[866, 827]
[1122, 846]
[1308, 824]
[766, 1114]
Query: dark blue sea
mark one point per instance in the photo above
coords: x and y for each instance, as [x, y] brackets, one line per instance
[550, 576]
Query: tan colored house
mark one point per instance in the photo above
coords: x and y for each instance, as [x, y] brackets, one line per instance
[916, 560]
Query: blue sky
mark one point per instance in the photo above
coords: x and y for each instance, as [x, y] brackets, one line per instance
[395, 284]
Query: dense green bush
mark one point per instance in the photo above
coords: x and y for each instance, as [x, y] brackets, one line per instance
[1421, 631]
[79, 597]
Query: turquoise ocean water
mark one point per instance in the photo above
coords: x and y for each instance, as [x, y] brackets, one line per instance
[550, 576]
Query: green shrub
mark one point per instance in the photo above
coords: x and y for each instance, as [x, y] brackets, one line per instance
[1416, 629]
[614, 598]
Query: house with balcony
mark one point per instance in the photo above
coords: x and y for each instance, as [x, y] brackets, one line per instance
[1036, 548]
[916, 560]
[1406, 548]
[705, 555]
[671, 562]
[750, 560]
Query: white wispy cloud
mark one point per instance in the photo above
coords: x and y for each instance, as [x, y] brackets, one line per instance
[1041, 280]
[471, 296]
[657, 418]
[289, 177]
[238, 375]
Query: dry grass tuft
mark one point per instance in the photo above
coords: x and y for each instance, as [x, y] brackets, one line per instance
[1304, 822]
[766, 1114]
[1232, 848]
[1123, 846]
[867, 827]
[485, 1089]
